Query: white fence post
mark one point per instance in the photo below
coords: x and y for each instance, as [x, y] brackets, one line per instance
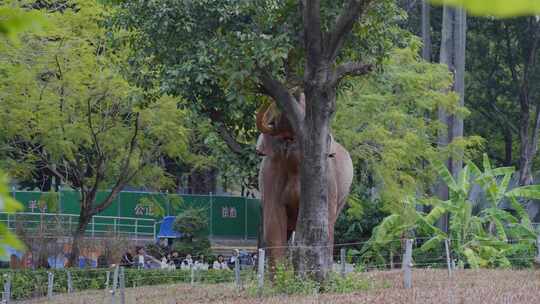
[50, 284]
[407, 265]
[448, 261]
[69, 282]
[260, 271]
[107, 280]
[114, 285]
[6, 296]
[343, 265]
[237, 272]
[122, 286]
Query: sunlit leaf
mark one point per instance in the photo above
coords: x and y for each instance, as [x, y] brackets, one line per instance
[499, 8]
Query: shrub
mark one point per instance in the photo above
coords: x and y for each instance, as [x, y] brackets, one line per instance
[193, 225]
[33, 283]
[287, 282]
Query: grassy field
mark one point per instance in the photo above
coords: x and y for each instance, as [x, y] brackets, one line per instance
[430, 286]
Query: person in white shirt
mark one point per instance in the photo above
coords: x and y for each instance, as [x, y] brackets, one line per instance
[200, 264]
[164, 264]
[187, 263]
[140, 258]
[220, 263]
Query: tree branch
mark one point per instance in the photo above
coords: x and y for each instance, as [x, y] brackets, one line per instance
[344, 24]
[350, 69]
[285, 100]
[227, 137]
[223, 131]
[313, 40]
[125, 176]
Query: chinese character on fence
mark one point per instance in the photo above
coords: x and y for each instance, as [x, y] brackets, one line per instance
[139, 209]
[32, 205]
[225, 212]
[232, 212]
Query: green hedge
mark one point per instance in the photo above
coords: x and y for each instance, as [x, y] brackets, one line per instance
[33, 283]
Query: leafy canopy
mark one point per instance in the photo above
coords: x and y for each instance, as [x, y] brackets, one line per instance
[385, 121]
[68, 109]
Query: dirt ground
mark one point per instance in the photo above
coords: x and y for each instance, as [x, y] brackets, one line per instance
[429, 286]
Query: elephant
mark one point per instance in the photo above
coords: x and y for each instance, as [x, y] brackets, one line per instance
[279, 180]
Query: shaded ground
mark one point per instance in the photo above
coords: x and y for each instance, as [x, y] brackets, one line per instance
[430, 286]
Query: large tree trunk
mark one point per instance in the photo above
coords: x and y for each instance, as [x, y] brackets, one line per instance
[426, 31]
[528, 134]
[453, 55]
[314, 255]
[78, 235]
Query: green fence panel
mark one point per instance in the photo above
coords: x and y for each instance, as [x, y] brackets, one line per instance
[228, 216]
[253, 217]
[31, 201]
[235, 217]
[70, 202]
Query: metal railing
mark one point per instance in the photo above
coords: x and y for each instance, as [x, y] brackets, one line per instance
[99, 226]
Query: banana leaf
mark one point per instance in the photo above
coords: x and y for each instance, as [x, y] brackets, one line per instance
[522, 213]
[530, 192]
[446, 176]
[432, 243]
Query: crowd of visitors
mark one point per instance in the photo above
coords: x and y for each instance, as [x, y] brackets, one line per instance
[139, 258]
[173, 260]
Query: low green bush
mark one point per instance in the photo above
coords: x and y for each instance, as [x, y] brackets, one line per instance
[33, 283]
[287, 282]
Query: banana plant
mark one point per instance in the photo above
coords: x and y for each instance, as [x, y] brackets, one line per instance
[486, 239]
[489, 238]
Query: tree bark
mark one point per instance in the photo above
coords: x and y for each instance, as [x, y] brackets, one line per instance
[85, 216]
[313, 254]
[426, 31]
[452, 54]
[312, 233]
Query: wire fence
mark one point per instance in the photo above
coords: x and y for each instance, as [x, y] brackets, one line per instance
[398, 271]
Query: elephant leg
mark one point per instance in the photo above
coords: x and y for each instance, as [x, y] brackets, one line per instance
[275, 234]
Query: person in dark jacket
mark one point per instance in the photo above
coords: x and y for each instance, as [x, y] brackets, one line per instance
[127, 259]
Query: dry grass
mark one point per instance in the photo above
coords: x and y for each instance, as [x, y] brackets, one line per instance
[430, 286]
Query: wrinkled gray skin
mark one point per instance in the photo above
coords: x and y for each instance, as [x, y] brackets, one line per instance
[279, 183]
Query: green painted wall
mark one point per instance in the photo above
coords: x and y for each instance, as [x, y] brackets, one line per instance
[235, 217]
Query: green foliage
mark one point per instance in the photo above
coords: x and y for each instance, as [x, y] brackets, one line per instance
[386, 122]
[193, 224]
[286, 281]
[9, 205]
[487, 239]
[499, 8]
[212, 53]
[78, 117]
[352, 282]
[15, 20]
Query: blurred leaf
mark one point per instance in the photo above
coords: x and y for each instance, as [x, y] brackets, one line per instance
[499, 8]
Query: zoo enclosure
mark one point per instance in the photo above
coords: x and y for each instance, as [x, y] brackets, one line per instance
[138, 213]
[419, 276]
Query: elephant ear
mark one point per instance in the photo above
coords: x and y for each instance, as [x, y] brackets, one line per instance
[264, 146]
